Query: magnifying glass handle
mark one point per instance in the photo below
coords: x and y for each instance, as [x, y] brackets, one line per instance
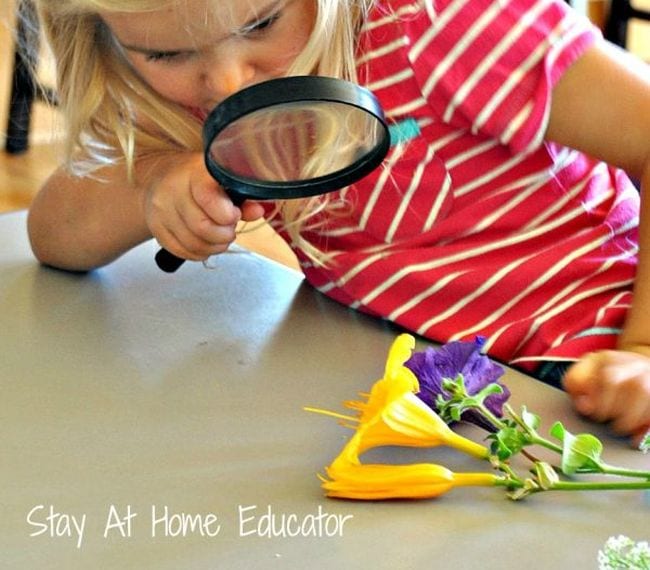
[168, 262]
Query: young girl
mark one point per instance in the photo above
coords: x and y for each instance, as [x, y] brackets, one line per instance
[496, 214]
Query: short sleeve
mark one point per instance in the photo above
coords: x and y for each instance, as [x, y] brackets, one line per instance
[490, 65]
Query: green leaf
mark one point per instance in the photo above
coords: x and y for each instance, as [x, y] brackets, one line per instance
[507, 442]
[488, 391]
[546, 475]
[581, 453]
[531, 421]
[455, 387]
[557, 431]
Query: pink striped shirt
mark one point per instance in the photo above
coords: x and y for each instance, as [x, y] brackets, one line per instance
[476, 225]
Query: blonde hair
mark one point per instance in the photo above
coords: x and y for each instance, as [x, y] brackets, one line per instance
[112, 115]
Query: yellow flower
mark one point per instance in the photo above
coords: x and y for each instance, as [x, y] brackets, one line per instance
[394, 415]
[349, 479]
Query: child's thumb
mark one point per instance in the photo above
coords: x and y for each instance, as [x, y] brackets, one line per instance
[578, 382]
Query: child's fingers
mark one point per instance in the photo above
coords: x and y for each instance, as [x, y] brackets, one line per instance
[584, 405]
[632, 409]
[180, 241]
[577, 379]
[251, 211]
[212, 200]
[577, 383]
[612, 386]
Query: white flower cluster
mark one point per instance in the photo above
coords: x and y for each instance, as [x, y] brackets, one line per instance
[622, 553]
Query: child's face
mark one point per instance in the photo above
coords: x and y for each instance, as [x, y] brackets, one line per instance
[198, 55]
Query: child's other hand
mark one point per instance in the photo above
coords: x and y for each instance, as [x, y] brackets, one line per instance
[613, 386]
[187, 211]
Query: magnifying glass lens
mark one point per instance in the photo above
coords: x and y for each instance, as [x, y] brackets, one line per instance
[295, 141]
[291, 137]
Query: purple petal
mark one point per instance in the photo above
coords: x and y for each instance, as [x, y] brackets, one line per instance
[432, 365]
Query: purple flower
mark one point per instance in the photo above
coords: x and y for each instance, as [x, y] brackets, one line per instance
[432, 365]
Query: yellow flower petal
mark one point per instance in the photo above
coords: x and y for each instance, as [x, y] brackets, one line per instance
[399, 353]
[416, 481]
[397, 379]
[410, 422]
[389, 481]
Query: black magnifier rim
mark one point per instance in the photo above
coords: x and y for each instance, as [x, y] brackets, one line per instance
[280, 91]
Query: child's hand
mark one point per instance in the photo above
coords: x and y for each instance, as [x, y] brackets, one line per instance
[187, 211]
[614, 386]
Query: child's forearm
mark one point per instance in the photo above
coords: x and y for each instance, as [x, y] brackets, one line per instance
[636, 335]
[79, 224]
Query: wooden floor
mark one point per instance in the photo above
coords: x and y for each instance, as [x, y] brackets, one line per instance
[22, 175]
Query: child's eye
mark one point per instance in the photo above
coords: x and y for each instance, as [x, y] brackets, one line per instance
[167, 56]
[259, 26]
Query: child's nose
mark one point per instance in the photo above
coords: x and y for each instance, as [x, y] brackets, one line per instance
[229, 76]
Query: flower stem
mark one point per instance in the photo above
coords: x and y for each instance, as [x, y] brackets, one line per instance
[489, 416]
[533, 437]
[477, 480]
[599, 485]
[467, 445]
[509, 482]
[624, 472]
[511, 477]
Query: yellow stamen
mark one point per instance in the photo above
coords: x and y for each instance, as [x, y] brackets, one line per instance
[332, 414]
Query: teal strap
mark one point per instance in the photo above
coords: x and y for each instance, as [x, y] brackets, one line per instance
[596, 331]
[403, 131]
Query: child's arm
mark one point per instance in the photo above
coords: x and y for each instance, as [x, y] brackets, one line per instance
[614, 386]
[82, 223]
[602, 106]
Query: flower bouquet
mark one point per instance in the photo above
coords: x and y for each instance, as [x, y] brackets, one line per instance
[417, 403]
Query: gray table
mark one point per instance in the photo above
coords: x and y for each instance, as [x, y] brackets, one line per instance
[127, 391]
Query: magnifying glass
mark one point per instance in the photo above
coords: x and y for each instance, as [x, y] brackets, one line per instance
[291, 137]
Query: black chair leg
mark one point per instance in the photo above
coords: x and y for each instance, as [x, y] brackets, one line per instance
[616, 26]
[24, 85]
